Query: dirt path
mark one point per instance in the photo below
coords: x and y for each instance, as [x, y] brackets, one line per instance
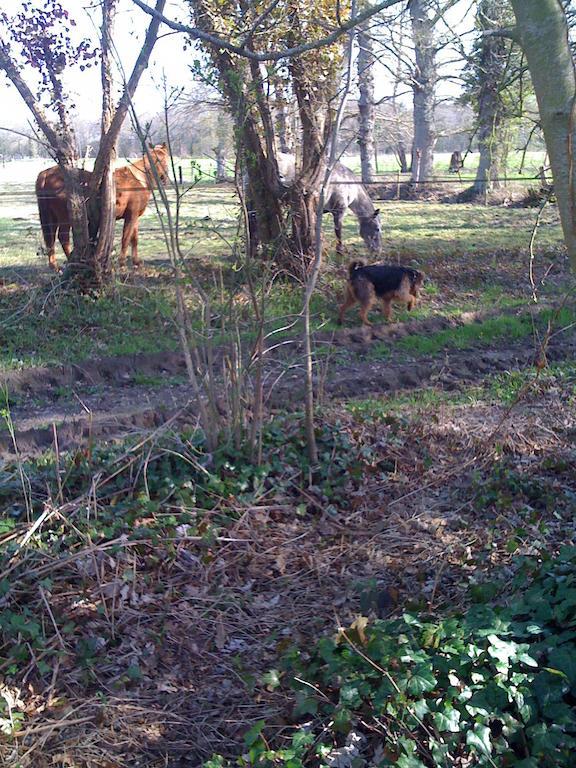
[114, 397]
[102, 399]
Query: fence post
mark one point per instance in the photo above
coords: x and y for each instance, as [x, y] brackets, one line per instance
[398, 185]
[180, 174]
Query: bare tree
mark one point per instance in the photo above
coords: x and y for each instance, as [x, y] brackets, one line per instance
[493, 63]
[292, 39]
[41, 39]
[424, 81]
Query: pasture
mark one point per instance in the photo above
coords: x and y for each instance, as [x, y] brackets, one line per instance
[163, 592]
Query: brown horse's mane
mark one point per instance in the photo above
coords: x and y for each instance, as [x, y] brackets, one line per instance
[141, 169]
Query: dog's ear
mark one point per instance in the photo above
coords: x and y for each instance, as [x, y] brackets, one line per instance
[376, 212]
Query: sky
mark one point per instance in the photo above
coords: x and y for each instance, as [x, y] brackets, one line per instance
[168, 59]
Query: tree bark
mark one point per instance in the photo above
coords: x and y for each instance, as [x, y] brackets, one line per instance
[424, 87]
[102, 206]
[543, 34]
[490, 66]
[285, 139]
[220, 148]
[366, 109]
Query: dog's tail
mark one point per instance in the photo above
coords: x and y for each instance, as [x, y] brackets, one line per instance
[353, 266]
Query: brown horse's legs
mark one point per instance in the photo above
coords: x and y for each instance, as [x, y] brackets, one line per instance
[64, 237]
[126, 237]
[49, 231]
[136, 262]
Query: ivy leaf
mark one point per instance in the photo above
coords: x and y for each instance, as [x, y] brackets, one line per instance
[564, 660]
[408, 761]
[479, 739]
[305, 705]
[448, 720]
[503, 651]
[271, 679]
[421, 680]
[252, 736]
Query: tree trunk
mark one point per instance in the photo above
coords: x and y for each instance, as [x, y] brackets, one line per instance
[490, 66]
[303, 212]
[220, 148]
[424, 87]
[102, 206]
[543, 35]
[316, 121]
[366, 110]
[283, 128]
[402, 159]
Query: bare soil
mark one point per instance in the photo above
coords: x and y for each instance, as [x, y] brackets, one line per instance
[102, 399]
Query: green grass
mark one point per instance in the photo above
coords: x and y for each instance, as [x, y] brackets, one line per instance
[474, 258]
[501, 389]
[389, 164]
[70, 328]
[506, 327]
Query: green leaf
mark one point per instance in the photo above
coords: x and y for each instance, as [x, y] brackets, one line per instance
[253, 735]
[305, 705]
[503, 651]
[479, 739]
[409, 761]
[271, 679]
[421, 680]
[564, 660]
[342, 719]
[448, 720]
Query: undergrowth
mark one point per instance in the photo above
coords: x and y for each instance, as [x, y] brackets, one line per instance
[59, 507]
[493, 687]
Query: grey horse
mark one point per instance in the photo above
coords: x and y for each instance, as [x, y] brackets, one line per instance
[344, 191]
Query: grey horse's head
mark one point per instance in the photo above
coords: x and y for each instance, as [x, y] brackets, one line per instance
[371, 231]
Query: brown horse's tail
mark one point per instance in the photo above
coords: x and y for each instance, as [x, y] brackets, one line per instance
[47, 221]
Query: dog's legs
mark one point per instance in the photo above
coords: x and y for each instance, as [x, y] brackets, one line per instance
[411, 303]
[366, 304]
[387, 309]
[349, 301]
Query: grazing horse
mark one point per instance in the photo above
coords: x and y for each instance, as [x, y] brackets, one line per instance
[134, 184]
[344, 190]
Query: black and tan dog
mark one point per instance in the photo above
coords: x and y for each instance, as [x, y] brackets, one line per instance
[387, 283]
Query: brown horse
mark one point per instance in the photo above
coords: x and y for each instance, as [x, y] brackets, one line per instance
[134, 184]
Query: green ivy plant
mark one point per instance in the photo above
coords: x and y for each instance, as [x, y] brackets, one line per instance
[493, 687]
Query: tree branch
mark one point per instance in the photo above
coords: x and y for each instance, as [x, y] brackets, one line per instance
[241, 50]
[111, 136]
[511, 33]
[7, 64]
[27, 136]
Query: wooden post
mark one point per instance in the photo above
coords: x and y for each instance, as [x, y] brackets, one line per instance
[180, 174]
[398, 185]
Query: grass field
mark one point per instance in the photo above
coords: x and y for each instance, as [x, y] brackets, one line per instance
[162, 602]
